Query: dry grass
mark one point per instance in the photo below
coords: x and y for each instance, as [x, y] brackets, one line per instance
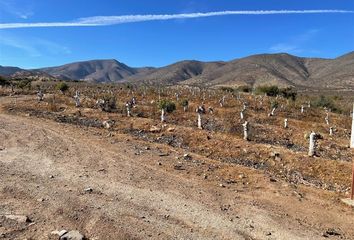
[221, 138]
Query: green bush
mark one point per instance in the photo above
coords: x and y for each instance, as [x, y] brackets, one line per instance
[274, 104]
[4, 81]
[288, 93]
[326, 102]
[336, 97]
[168, 106]
[109, 103]
[62, 86]
[227, 89]
[270, 91]
[129, 86]
[25, 83]
[245, 89]
[184, 103]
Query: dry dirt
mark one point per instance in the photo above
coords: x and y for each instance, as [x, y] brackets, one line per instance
[146, 190]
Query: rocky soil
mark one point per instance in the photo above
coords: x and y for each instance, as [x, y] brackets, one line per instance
[61, 170]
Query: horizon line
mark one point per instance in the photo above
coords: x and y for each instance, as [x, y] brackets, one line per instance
[176, 61]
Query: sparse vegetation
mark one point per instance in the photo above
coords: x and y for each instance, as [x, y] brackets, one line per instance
[184, 103]
[267, 145]
[288, 93]
[326, 102]
[245, 89]
[274, 104]
[166, 105]
[4, 81]
[270, 91]
[62, 87]
[23, 84]
[227, 89]
[109, 103]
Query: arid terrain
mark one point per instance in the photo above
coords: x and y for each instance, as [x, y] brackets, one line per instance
[138, 178]
[280, 69]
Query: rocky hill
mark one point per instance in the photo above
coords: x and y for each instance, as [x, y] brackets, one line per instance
[94, 71]
[18, 73]
[263, 69]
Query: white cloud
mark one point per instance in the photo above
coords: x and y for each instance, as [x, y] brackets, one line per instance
[50, 47]
[284, 47]
[34, 47]
[17, 43]
[295, 44]
[112, 20]
[9, 6]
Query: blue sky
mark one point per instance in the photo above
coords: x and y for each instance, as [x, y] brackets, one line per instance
[161, 42]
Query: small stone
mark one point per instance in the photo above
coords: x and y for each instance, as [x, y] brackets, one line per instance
[88, 190]
[107, 124]
[18, 218]
[159, 163]
[110, 135]
[331, 232]
[155, 129]
[272, 179]
[170, 129]
[186, 156]
[59, 233]
[221, 185]
[274, 154]
[40, 200]
[178, 167]
[72, 235]
[268, 233]
[298, 194]
[62, 232]
[163, 154]
[241, 176]
[51, 176]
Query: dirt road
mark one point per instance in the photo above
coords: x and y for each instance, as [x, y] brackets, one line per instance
[112, 186]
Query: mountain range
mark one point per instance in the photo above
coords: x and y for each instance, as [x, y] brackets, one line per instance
[263, 69]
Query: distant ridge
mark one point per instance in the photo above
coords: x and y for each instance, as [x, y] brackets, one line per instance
[15, 72]
[95, 71]
[280, 69]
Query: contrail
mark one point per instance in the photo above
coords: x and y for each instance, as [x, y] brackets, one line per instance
[112, 20]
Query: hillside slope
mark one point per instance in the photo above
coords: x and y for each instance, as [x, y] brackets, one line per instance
[280, 69]
[95, 71]
[19, 73]
[265, 69]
